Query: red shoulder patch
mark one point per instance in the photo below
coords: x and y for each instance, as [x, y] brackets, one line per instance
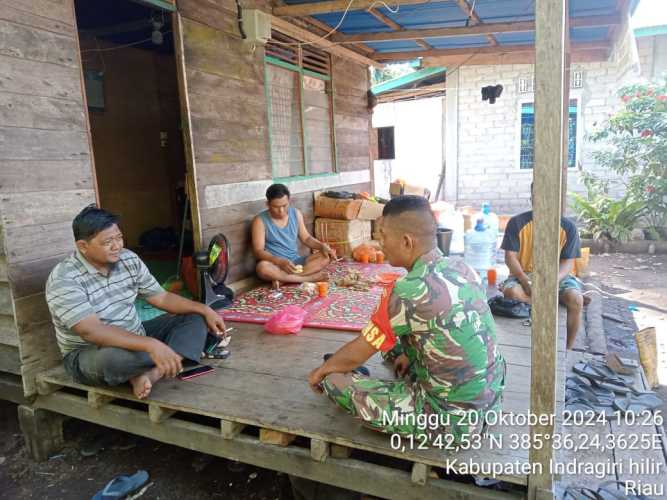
[378, 332]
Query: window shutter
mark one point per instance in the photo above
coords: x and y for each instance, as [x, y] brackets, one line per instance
[282, 47]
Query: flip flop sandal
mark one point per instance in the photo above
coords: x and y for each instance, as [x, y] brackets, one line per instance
[608, 372]
[572, 394]
[577, 382]
[606, 492]
[620, 387]
[580, 493]
[597, 371]
[361, 370]
[121, 486]
[638, 403]
[603, 377]
[583, 405]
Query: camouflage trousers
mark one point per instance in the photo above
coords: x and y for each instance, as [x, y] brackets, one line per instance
[374, 401]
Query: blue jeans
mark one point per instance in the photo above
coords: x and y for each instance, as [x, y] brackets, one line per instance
[93, 365]
[570, 282]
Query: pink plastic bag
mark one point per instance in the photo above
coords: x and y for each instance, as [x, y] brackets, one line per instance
[286, 321]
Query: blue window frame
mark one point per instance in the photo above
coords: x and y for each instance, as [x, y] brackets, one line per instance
[527, 158]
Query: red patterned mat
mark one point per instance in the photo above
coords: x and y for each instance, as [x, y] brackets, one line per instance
[341, 309]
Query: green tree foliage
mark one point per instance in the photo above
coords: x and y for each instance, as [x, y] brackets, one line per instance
[390, 71]
[635, 148]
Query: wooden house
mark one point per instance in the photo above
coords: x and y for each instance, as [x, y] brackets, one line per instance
[194, 106]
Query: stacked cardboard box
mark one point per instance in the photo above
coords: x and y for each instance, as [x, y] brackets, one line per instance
[400, 188]
[345, 224]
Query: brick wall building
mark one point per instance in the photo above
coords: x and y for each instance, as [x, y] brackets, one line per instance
[491, 151]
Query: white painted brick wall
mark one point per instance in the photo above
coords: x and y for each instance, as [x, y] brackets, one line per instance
[489, 146]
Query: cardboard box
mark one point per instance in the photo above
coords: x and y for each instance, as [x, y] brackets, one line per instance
[332, 208]
[370, 210]
[343, 235]
[397, 189]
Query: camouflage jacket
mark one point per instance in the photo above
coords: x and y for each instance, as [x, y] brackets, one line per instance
[440, 316]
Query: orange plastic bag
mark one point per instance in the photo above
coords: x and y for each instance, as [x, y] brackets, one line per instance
[287, 321]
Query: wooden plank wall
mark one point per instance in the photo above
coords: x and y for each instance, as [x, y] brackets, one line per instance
[46, 175]
[229, 120]
[351, 115]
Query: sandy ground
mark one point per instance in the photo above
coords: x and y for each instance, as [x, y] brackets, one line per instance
[635, 291]
[176, 473]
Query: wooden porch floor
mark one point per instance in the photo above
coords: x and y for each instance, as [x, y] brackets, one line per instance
[263, 384]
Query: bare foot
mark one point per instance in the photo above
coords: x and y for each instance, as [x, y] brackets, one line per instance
[142, 384]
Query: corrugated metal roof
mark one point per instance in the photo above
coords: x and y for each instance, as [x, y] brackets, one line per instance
[439, 14]
[408, 79]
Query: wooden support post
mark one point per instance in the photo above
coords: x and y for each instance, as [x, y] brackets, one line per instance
[550, 46]
[319, 450]
[188, 142]
[450, 133]
[42, 431]
[420, 473]
[230, 429]
[339, 451]
[158, 414]
[566, 126]
[44, 388]
[269, 436]
[97, 400]
[11, 389]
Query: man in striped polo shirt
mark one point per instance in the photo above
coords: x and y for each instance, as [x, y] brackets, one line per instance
[91, 297]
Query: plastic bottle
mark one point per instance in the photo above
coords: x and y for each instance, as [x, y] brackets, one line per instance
[478, 245]
[490, 219]
[493, 224]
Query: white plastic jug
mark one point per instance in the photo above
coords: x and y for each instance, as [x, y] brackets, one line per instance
[492, 223]
[478, 248]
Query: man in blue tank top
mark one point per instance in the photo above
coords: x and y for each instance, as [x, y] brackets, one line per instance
[276, 233]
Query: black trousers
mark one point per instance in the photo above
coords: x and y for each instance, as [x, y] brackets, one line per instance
[93, 365]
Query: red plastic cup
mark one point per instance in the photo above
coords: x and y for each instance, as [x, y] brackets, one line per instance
[323, 288]
[491, 276]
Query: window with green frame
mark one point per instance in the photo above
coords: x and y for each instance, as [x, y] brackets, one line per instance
[527, 155]
[300, 108]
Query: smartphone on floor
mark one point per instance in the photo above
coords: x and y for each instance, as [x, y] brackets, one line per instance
[195, 371]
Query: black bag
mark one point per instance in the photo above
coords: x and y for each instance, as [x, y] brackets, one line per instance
[510, 308]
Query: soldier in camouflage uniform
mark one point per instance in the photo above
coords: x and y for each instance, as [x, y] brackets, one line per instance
[436, 327]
